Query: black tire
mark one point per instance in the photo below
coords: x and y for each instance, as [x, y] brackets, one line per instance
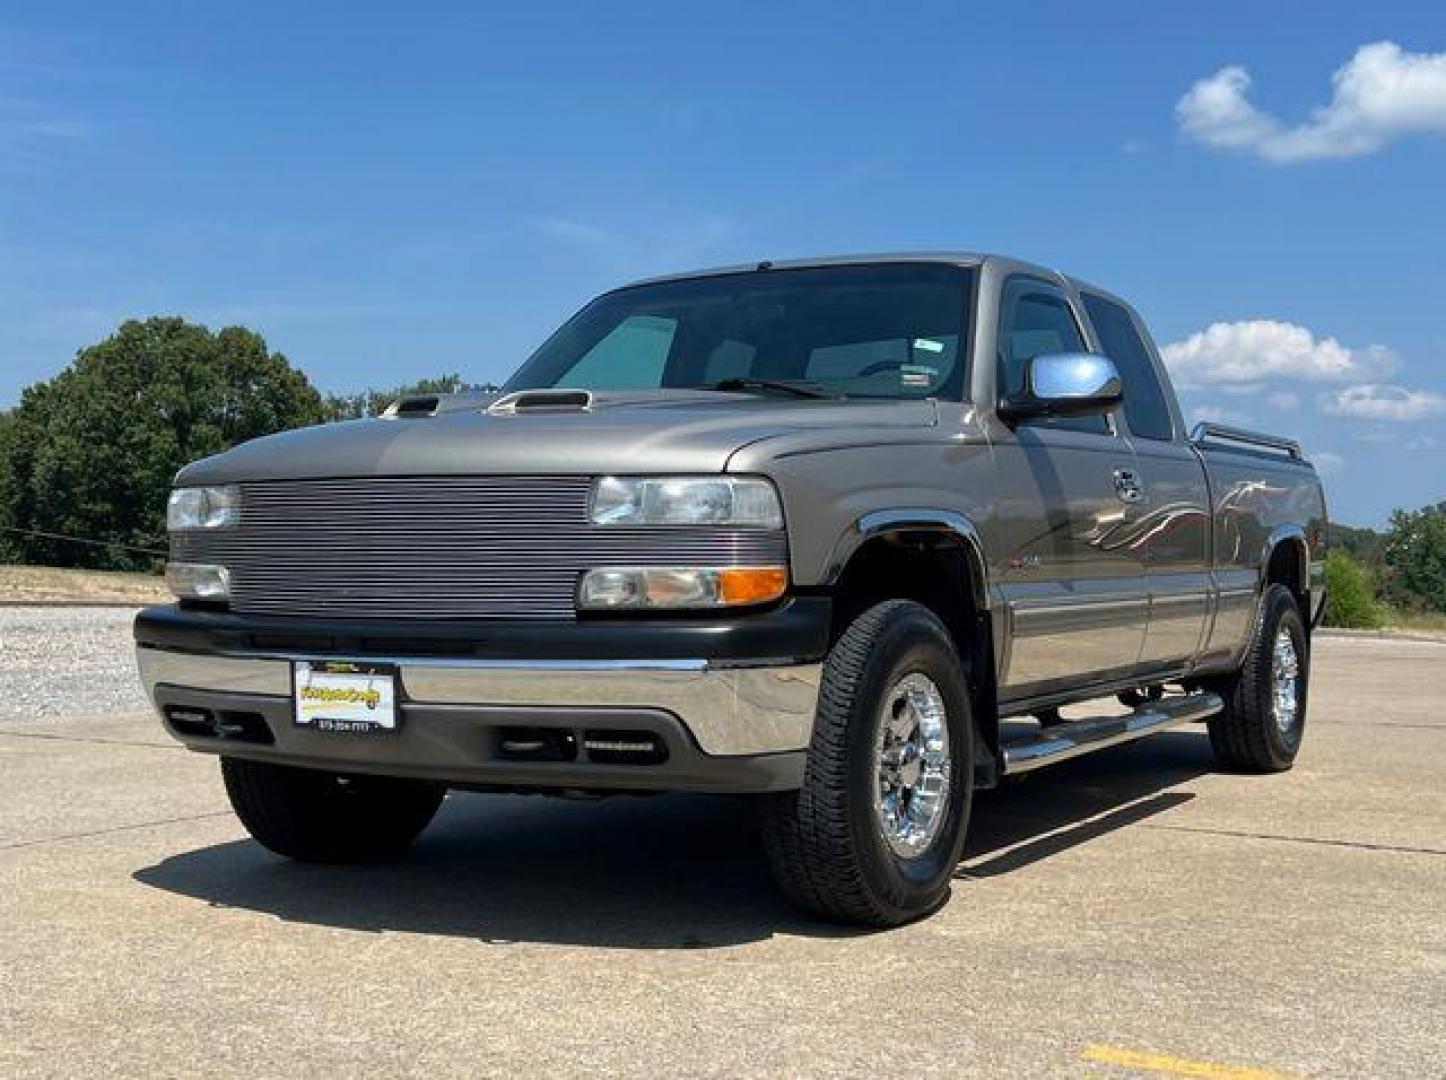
[824, 842]
[1246, 735]
[315, 816]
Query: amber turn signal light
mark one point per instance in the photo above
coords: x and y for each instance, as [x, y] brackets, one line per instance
[751, 584]
[680, 587]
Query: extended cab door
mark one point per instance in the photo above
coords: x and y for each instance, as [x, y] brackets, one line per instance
[1070, 577]
[1173, 528]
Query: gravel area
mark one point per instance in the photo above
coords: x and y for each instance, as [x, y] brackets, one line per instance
[70, 662]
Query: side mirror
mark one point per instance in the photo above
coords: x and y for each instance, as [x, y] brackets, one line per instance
[1065, 384]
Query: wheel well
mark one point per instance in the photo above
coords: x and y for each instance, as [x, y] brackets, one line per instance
[941, 571]
[1287, 566]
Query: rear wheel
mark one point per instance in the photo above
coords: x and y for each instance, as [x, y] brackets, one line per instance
[876, 832]
[318, 816]
[1261, 727]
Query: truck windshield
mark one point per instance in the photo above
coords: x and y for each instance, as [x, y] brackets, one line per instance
[879, 331]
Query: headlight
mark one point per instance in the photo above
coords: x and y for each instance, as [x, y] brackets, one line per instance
[746, 501]
[631, 587]
[198, 581]
[203, 508]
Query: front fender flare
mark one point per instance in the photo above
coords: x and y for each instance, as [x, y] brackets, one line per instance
[906, 520]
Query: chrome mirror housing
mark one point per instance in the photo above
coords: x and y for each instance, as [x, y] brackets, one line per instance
[1065, 384]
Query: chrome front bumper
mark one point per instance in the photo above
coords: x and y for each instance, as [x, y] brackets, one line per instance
[727, 710]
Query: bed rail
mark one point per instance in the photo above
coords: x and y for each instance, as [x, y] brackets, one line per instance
[1207, 432]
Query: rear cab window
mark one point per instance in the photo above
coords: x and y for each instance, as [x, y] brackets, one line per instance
[1147, 408]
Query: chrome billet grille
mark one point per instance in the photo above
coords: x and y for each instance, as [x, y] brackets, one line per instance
[500, 547]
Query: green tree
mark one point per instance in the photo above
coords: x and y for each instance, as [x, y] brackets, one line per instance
[1350, 598]
[9, 450]
[1416, 556]
[92, 452]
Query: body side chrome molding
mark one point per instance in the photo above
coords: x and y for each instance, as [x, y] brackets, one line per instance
[1013, 705]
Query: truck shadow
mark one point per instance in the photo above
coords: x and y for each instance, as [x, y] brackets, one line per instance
[667, 872]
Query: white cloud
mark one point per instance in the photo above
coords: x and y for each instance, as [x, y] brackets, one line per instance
[1219, 414]
[1217, 111]
[1377, 401]
[1256, 349]
[1381, 94]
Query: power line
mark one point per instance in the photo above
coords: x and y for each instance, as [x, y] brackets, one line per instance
[83, 540]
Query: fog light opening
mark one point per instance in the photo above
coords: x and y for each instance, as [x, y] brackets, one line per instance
[624, 747]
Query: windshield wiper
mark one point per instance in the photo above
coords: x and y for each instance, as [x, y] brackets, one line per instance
[797, 387]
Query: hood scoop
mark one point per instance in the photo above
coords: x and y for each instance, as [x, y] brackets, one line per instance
[421, 405]
[416, 406]
[530, 401]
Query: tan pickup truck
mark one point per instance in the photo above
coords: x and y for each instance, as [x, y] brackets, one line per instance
[810, 531]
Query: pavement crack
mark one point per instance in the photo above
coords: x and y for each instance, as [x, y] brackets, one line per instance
[87, 739]
[1360, 845]
[1380, 724]
[114, 829]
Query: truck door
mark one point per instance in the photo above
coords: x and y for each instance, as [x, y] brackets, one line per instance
[1174, 524]
[1072, 581]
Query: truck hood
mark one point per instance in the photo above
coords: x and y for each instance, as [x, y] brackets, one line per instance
[619, 432]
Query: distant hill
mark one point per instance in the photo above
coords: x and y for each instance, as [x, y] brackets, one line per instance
[1364, 545]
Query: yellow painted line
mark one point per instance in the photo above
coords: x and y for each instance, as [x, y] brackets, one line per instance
[1125, 1058]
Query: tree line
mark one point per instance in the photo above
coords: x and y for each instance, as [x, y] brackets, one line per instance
[89, 456]
[1395, 577]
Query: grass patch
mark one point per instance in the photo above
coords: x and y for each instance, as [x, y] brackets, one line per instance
[49, 584]
[1429, 621]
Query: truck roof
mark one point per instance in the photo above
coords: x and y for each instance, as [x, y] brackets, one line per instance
[945, 258]
[952, 258]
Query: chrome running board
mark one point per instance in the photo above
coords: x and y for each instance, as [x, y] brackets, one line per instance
[1075, 737]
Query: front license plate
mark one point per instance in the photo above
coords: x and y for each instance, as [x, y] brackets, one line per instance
[343, 696]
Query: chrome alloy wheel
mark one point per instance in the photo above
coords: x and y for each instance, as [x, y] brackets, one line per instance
[1284, 681]
[912, 766]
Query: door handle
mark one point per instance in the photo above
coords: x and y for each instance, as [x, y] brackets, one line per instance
[1128, 485]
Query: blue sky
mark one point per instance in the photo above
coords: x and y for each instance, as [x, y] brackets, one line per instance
[389, 191]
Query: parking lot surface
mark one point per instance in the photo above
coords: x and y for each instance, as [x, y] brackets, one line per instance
[1132, 913]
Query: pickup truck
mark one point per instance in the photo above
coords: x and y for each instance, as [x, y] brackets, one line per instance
[808, 531]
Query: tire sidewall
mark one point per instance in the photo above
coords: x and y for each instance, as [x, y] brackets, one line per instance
[914, 641]
[1282, 613]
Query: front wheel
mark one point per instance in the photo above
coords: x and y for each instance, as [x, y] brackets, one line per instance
[315, 816]
[1263, 722]
[875, 834]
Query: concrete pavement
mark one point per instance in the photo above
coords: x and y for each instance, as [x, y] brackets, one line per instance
[1134, 913]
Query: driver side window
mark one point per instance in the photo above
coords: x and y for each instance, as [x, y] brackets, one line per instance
[1035, 318]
